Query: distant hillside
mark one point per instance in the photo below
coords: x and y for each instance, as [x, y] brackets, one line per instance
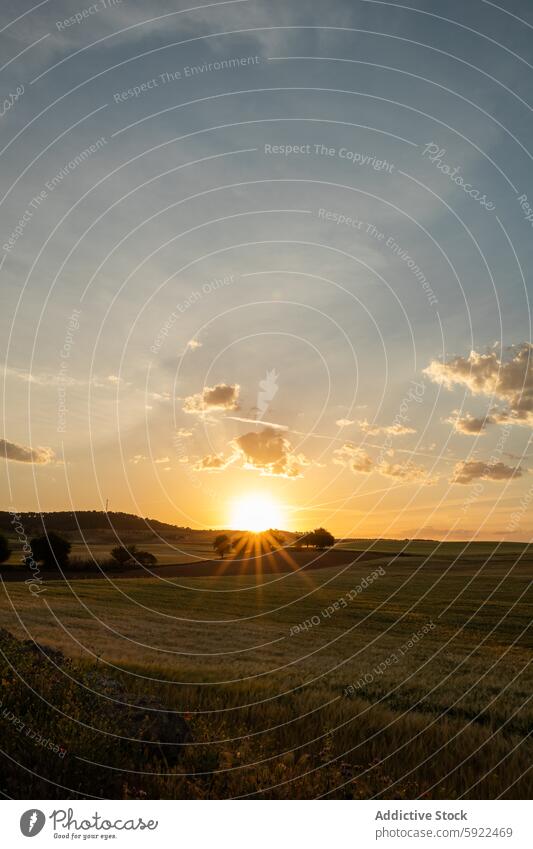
[86, 520]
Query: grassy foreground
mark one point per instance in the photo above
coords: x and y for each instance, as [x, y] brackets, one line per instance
[298, 686]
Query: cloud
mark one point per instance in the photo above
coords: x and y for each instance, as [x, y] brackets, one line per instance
[269, 452]
[509, 379]
[344, 422]
[359, 461]
[395, 429]
[469, 470]
[213, 463]
[223, 396]
[23, 454]
[138, 458]
[162, 460]
[43, 378]
[193, 344]
[183, 433]
[353, 458]
[407, 472]
[470, 425]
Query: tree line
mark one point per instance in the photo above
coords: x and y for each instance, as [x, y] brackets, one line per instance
[252, 543]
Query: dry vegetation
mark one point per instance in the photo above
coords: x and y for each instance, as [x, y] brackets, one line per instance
[269, 710]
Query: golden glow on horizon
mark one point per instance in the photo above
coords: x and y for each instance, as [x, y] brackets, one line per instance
[254, 512]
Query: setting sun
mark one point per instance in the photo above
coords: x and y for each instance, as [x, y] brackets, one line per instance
[256, 513]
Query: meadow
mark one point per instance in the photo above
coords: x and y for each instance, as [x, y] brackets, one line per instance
[399, 677]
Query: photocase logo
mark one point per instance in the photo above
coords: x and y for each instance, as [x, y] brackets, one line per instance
[32, 822]
[267, 389]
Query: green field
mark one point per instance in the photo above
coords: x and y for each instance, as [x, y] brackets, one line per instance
[352, 705]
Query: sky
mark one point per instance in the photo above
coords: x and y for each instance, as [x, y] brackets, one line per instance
[280, 250]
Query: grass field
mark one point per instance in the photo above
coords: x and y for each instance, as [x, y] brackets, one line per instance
[294, 686]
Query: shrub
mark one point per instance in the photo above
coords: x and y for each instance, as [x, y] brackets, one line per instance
[132, 556]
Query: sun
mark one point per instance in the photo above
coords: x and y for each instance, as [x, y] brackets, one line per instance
[254, 512]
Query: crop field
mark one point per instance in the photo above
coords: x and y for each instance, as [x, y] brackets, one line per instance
[395, 677]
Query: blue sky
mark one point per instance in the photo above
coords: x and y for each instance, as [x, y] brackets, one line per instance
[331, 198]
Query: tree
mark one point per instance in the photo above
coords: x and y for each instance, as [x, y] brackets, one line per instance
[222, 545]
[122, 554]
[5, 550]
[132, 556]
[274, 539]
[306, 539]
[321, 538]
[51, 549]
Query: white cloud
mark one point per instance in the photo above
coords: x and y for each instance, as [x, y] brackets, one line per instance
[489, 374]
[359, 461]
[395, 429]
[138, 458]
[407, 472]
[353, 458]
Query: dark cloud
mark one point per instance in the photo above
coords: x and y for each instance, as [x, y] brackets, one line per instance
[212, 463]
[223, 396]
[270, 452]
[23, 454]
[470, 425]
[469, 470]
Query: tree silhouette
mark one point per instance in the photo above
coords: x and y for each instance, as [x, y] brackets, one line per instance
[131, 556]
[222, 545]
[5, 550]
[321, 538]
[51, 549]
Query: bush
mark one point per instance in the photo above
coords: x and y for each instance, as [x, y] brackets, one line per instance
[52, 550]
[132, 556]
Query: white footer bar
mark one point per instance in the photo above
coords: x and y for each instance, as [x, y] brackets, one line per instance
[267, 824]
